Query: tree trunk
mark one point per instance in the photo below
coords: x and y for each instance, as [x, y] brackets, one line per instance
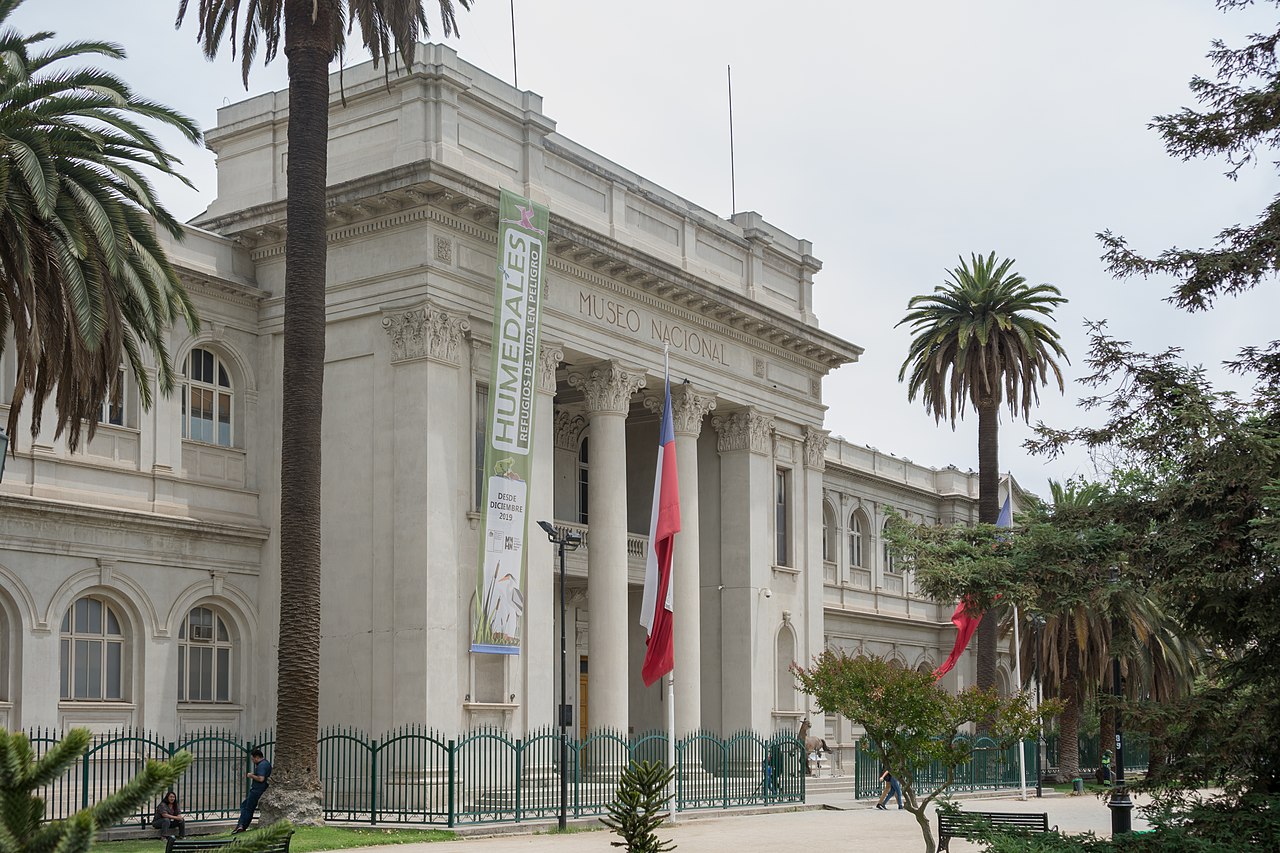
[1069, 722]
[988, 513]
[295, 792]
[1106, 718]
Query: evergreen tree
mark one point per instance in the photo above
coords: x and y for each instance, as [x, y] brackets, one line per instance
[23, 828]
[637, 810]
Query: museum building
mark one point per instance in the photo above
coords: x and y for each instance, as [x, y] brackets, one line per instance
[139, 579]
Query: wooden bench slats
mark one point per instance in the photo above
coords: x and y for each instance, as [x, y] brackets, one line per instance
[964, 824]
[196, 845]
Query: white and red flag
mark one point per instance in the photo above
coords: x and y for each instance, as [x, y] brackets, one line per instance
[664, 524]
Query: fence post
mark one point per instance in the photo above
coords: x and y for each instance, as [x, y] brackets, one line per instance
[519, 766]
[84, 777]
[373, 781]
[453, 769]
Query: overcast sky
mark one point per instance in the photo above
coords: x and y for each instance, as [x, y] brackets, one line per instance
[895, 136]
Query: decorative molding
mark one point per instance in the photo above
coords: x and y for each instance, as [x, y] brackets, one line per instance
[745, 429]
[608, 388]
[815, 447]
[444, 250]
[427, 332]
[568, 428]
[758, 367]
[549, 358]
[688, 408]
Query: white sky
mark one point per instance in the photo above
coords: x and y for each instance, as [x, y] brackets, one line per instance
[895, 136]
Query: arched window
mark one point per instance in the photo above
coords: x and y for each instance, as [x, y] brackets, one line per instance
[829, 540]
[92, 652]
[206, 399]
[855, 540]
[204, 657]
[889, 564]
[583, 480]
[784, 679]
[120, 408]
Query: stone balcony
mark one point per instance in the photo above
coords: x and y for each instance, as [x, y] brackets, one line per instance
[576, 561]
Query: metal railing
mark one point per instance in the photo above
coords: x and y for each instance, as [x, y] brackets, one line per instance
[989, 768]
[1137, 752]
[416, 775]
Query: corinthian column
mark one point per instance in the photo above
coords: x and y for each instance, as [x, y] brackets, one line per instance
[688, 408]
[608, 389]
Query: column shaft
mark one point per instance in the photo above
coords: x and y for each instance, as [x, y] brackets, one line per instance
[608, 391]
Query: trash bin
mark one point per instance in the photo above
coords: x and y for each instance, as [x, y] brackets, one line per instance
[1077, 785]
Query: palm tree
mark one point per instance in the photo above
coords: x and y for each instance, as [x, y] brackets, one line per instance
[981, 339]
[84, 284]
[1076, 644]
[314, 34]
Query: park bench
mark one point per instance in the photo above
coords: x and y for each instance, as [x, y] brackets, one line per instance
[968, 824]
[208, 844]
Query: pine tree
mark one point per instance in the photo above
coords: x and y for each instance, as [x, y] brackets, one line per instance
[23, 828]
[636, 811]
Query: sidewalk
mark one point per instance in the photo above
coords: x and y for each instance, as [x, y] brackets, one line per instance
[859, 826]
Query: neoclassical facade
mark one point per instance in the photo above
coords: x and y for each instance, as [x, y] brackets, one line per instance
[143, 571]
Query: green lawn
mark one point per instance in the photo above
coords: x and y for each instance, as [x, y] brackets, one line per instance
[307, 839]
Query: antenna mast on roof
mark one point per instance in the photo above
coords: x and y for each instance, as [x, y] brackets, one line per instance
[733, 190]
[515, 71]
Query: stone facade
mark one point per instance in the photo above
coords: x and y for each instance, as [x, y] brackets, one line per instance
[144, 570]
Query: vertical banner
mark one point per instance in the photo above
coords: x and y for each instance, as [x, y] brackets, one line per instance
[508, 447]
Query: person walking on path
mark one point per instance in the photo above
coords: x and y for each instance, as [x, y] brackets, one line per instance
[257, 787]
[892, 788]
[168, 817]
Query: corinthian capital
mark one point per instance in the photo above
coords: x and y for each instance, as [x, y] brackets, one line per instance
[815, 447]
[688, 408]
[427, 332]
[549, 358]
[568, 426]
[745, 429]
[608, 387]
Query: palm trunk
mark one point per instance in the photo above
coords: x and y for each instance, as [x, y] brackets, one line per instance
[308, 47]
[1069, 722]
[988, 513]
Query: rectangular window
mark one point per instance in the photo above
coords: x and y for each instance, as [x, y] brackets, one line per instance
[224, 675]
[114, 679]
[782, 486]
[482, 414]
[65, 670]
[182, 672]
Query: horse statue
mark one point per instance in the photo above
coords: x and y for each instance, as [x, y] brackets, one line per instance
[813, 745]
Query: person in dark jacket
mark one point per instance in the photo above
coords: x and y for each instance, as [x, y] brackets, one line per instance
[169, 817]
[257, 787]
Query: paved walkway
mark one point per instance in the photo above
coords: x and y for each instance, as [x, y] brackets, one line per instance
[859, 826]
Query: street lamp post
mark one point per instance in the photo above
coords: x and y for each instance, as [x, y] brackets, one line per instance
[1120, 804]
[1038, 622]
[571, 540]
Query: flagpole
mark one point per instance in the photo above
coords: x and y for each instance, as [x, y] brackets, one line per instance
[671, 676]
[671, 740]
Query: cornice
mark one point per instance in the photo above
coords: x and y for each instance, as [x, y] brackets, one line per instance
[430, 192]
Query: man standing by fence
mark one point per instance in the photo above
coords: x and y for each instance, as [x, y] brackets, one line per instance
[261, 771]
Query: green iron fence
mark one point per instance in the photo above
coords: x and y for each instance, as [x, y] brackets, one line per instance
[415, 775]
[989, 768]
[1137, 752]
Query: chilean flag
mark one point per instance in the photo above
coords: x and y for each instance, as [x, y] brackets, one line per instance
[966, 620]
[664, 524]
